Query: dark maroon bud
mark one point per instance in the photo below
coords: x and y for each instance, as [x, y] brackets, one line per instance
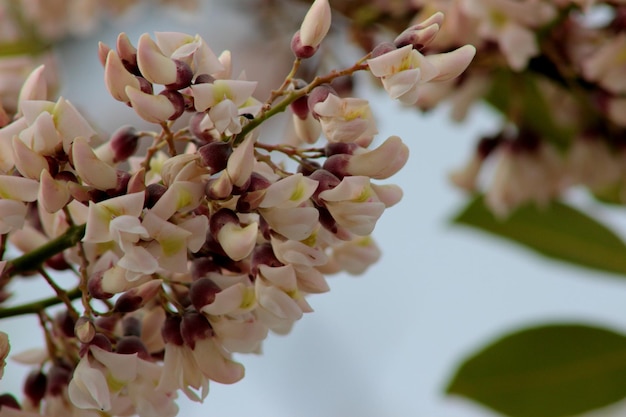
[334, 148]
[299, 50]
[300, 107]
[107, 323]
[171, 331]
[264, 255]
[124, 143]
[35, 386]
[177, 100]
[129, 345]
[153, 193]
[53, 165]
[131, 326]
[337, 164]
[59, 377]
[318, 95]
[221, 218]
[97, 196]
[145, 86]
[58, 262]
[193, 327]
[184, 75]
[9, 401]
[128, 302]
[202, 292]
[197, 130]
[238, 190]
[102, 342]
[326, 220]
[65, 322]
[200, 267]
[326, 181]
[215, 155]
[122, 184]
[383, 48]
[94, 286]
[66, 176]
[203, 79]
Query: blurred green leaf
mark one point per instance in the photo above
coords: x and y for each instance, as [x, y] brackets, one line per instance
[549, 371]
[558, 231]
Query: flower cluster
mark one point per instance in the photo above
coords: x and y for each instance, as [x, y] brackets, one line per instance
[198, 248]
[552, 69]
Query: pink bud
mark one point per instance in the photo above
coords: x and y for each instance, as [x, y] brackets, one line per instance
[127, 53]
[316, 24]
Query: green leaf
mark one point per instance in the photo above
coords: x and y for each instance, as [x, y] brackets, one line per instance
[550, 371]
[558, 232]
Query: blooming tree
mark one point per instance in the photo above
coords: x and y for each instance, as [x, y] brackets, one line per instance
[192, 241]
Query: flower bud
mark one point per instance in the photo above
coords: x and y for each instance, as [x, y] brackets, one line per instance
[94, 286]
[9, 401]
[177, 100]
[383, 48]
[35, 387]
[137, 297]
[171, 331]
[84, 330]
[59, 377]
[318, 95]
[314, 27]
[129, 345]
[184, 75]
[127, 53]
[153, 193]
[65, 322]
[124, 143]
[215, 155]
[131, 326]
[202, 292]
[195, 327]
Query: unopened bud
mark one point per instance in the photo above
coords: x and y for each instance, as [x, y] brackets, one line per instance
[35, 387]
[65, 322]
[194, 327]
[129, 345]
[171, 331]
[184, 75]
[177, 100]
[318, 95]
[153, 193]
[326, 181]
[215, 155]
[300, 107]
[202, 292]
[127, 53]
[94, 286]
[316, 24]
[137, 297]
[59, 377]
[382, 49]
[131, 326]
[84, 329]
[124, 143]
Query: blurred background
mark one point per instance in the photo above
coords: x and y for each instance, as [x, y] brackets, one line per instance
[385, 343]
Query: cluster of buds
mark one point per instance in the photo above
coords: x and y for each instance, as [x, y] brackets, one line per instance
[211, 239]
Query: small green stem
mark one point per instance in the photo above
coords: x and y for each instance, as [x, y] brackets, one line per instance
[38, 305]
[32, 260]
[60, 292]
